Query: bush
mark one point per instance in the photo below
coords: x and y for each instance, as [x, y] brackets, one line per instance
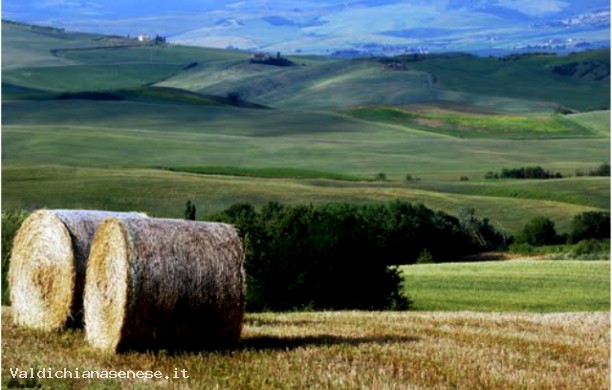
[190, 211]
[537, 232]
[597, 249]
[11, 221]
[590, 225]
[425, 257]
[340, 256]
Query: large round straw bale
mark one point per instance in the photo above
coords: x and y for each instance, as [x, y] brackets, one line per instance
[47, 266]
[164, 284]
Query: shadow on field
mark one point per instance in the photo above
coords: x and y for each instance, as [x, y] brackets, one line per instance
[263, 343]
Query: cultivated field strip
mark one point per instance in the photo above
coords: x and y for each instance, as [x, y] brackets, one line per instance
[361, 350]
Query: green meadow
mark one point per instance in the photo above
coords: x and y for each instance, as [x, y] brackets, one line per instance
[100, 122]
[164, 193]
[511, 286]
[95, 121]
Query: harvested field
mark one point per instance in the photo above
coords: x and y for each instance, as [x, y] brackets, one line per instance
[352, 350]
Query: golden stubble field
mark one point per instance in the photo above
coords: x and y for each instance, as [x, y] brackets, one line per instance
[351, 350]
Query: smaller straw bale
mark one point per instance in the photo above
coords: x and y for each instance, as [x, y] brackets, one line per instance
[164, 284]
[47, 266]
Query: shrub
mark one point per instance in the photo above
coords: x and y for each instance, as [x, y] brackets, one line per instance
[425, 257]
[190, 211]
[539, 231]
[599, 249]
[591, 224]
[381, 176]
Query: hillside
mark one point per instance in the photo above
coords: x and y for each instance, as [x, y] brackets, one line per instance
[525, 84]
[116, 119]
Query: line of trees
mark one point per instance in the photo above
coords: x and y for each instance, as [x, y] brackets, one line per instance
[590, 225]
[341, 256]
[602, 170]
[536, 172]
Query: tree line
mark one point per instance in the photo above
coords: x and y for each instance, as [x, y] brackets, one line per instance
[341, 256]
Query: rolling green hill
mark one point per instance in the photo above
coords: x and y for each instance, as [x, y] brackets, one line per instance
[163, 193]
[103, 122]
[470, 125]
[526, 84]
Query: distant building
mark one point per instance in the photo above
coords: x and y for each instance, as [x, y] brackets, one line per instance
[143, 38]
[398, 66]
[261, 56]
[268, 59]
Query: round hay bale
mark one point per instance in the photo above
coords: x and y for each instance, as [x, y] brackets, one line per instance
[164, 284]
[47, 266]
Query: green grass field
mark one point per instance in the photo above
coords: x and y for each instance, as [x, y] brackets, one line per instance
[163, 193]
[104, 153]
[510, 286]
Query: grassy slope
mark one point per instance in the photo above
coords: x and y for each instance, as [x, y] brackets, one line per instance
[527, 78]
[164, 193]
[186, 130]
[520, 285]
[56, 61]
[352, 350]
[24, 47]
[107, 133]
[598, 121]
[525, 85]
[590, 191]
[469, 125]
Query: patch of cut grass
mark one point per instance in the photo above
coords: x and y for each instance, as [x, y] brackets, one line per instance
[350, 350]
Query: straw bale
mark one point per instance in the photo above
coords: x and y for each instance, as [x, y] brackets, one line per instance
[164, 284]
[47, 266]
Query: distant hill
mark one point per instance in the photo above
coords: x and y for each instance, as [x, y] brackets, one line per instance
[327, 26]
[50, 59]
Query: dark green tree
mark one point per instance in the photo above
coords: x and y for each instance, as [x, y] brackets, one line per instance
[590, 225]
[190, 211]
[538, 231]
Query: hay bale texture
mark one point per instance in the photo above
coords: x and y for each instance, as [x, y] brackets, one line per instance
[164, 284]
[48, 263]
